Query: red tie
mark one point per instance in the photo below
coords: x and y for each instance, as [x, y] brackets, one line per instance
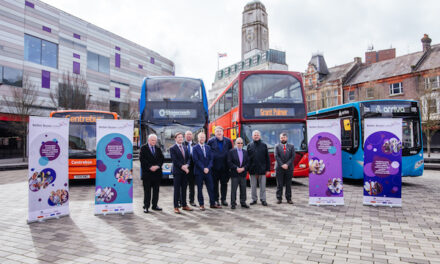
[284, 147]
[181, 150]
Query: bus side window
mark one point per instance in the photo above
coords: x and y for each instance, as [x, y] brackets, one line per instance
[228, 100]
[235, 94]
[222, 105]
[216, 110]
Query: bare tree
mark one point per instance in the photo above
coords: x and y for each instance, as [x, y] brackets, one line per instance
[23, 102]
[429, 94]
[72, 92]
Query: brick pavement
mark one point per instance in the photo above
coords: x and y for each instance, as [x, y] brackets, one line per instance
[283, 233]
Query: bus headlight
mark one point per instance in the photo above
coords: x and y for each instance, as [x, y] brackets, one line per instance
[302, 166]
[418, 164]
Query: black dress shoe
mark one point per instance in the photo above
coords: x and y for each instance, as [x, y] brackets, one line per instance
[192, 204]
[279, 201]
[253, 203]
[224, 203]
[289, 202]
[245, 206]
[157, 208]
[264, 203]
[146, 210]
[233, 207]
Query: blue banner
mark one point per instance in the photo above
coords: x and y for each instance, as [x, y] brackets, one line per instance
[114, 166]
[383, 161]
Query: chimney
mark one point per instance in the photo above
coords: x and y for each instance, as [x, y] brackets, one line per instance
[426, 43]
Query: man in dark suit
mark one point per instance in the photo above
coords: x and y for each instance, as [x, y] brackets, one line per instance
[220, 147]
[191, 178]
[284, 156]
[180, 158]
[202, 157]
[238, 161]
[151, 158]
[259, 167]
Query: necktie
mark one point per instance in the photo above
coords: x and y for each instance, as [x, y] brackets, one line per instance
[284, 147]
[181, 150]
[152, 150]
[240, 156]
[204, 152]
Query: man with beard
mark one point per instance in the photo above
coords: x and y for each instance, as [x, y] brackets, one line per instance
[284, 156]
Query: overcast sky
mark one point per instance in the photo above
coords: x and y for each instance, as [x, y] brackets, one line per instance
[191, 32]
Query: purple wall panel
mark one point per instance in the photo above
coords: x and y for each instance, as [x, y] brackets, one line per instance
[76, 56]
[117, 92]
[76, 67]
[29, 4]
[117, 48]
[76, 36]
[118, 60]
[45, 79]
[140, 66]
[152, 60]
[47, 29]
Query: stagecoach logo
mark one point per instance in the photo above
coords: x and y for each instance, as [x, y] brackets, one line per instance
[174, 113]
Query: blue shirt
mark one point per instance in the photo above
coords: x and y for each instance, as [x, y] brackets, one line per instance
[220, 144]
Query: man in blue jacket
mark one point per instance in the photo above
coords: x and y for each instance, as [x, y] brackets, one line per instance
[202, 159]
[220, 147]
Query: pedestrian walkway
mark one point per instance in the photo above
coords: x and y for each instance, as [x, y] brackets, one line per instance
[14, 163]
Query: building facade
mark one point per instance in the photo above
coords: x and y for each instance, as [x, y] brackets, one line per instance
[41, 47]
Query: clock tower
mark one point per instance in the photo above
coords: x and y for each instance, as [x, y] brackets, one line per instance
[254, 31]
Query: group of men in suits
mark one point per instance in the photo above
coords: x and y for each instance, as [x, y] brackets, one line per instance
[212, 164]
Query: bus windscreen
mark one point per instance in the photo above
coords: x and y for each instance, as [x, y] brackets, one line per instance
[174, 89]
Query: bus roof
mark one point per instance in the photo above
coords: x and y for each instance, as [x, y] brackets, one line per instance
[355, 104]
[81, 111]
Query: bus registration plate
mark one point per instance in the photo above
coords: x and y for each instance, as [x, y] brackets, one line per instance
[81, 177]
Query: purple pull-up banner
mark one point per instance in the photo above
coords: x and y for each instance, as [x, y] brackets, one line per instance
[325, 162]
[383, 161]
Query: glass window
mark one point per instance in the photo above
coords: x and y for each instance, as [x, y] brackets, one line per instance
[277, 88]
[235, 94]
[222, 105]
[370, 92]
[228, 100]
[32, 49]
[49, 54]
[104, 64]
[410, 133]
[174, 89]
[92, 61]
[351, 95]
[396, 88]
[12, 76]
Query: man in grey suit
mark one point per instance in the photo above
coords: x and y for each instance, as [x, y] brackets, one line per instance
[284, 156]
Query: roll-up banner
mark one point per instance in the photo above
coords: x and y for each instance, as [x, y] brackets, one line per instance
[114, 166]
[383, 161]
[48, 171]
[325, 163]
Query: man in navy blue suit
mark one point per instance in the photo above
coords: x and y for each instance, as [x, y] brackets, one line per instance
[202, 158]
[181, 158]
[238, 162]
[220, 147]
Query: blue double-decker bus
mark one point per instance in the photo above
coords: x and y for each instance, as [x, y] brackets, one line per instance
[352, 116]
[169, 105]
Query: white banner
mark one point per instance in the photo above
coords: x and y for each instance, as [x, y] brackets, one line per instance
[114, 166]
[48, 168]
[383, 161]
[325, 162]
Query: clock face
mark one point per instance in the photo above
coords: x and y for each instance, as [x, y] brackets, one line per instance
[249, 35]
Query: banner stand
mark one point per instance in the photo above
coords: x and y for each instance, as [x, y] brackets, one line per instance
[383, 162]
[114, 167]
[325, 162]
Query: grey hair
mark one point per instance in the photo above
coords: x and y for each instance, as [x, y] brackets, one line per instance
[238, 139]
[219, 127]
[255, 132]
[152, 135]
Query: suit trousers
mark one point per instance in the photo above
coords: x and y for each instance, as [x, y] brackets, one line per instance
[284, 178]
[262, 181]
[180, 183]
[207, 178]
[151, 184]
[191, 185]
[223, 178]
[235, 183]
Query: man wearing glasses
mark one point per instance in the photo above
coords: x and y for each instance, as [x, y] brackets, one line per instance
[238, 162]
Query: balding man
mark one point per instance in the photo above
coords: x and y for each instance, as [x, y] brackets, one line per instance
[151, 158]
[220, 146]
[238, 163]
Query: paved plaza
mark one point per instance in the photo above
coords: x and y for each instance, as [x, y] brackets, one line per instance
[283, 233]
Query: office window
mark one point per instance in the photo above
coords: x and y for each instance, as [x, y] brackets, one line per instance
[40, 51]
[98, 62]
[432, 82]
[12, 76]
[396, 88]
[351, 96]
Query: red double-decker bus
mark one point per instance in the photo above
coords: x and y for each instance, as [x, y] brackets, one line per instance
[270, 102]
